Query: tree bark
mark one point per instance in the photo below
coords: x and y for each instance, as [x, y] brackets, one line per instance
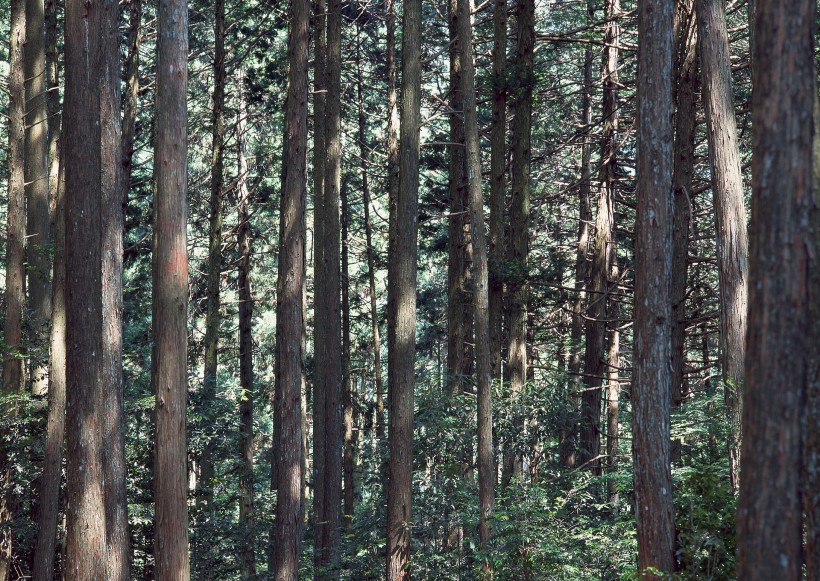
[97, 520]
[38, 214]
[247, 517]
[289, 321]
[651, 377]
[480, 272]
[13, 377]
[131, 96]
[169, 370]
[401, 300]
[769, 518]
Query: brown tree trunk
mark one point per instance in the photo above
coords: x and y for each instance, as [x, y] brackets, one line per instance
[246, 401]
[49, 501]
[613, 392]
[212, 314]
[169, 370]
[686, 67]
[651, 374]
[459, 248]
[97, 520]
[769, 519]
[401, 303]
[13, 378]
[289, 321]
[498, 165]
[518, 284]
[131, 96]
[730, 213]
[480, 287]
[38, 215]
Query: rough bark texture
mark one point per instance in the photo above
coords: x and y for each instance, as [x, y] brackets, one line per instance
[13, 379]
[480, 277]
[498, 165]
[247, 518]
[769, 519]
[459, 248]
[730, 213]
[289, 320]
[653, 276]
[38, 215]
[169, 370]
[97, 520]
[212, 313]
[518, 281]
[401, 302]
[686, 67]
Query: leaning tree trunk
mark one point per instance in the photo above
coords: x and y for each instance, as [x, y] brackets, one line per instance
[170, 370]
[651, 375]
[769, 518]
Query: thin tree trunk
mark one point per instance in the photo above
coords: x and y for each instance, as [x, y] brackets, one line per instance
[486, 462]
[97, 520]
[730, 213]
[246, 447]
[769, 519]
[651, 377]
[131, 96]
[349, 403]
[518, 285]
[613, 392]
[212, 314]
[13, 378]
[38, 215]
[169, 369]
[401, 311]
[290, 320]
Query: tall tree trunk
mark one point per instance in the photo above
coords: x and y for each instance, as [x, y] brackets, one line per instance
[498, 165]
[38, 215]
[49, 506]
[401, 302]
[568, 435]
[686, 66]
[651, 375]
[130, 99]
[518, 285]
[212, 314]
[13, 378]
[169, 370]
[481, 294]
[613, 392]
[769, 518]
[459, 247]
[247, 519]
[349, 395]
[603, 260]
[290, 320]
[97, 520]
[730, 213]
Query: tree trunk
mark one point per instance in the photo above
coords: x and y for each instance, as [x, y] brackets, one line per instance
[131, 96]
[38, 215]
[246, 445]
[651, 375]
[730, 213]
[769, 518]
[459, 247]
[401, 298]
[170, 377]
[481, 296]
[97, 520]
[13, 378]
[212, 314]
[518, 285]
[289, 320]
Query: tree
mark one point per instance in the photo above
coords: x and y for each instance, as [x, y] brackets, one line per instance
[769, 518]
[289, 320]
[97, 521]
[401, 302]
[652, 311]
[730, 213]
[170, 289]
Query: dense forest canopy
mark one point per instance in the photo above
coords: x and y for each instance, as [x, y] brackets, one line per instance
[338, 289]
